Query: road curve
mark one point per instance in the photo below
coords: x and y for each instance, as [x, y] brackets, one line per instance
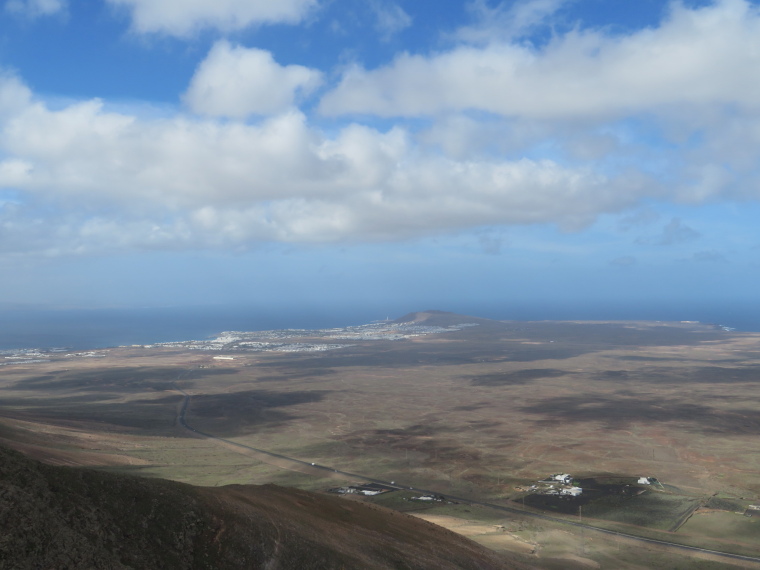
[182, 420]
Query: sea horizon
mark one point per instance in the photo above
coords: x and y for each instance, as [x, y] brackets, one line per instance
[80, 329]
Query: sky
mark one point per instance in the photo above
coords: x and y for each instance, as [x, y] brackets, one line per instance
[397, 155]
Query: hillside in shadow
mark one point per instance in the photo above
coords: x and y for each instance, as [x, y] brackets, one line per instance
[62, 517]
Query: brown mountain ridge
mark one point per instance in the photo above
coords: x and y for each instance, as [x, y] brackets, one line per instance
[70, 518]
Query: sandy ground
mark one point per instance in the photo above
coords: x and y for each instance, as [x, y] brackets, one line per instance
[498, 538]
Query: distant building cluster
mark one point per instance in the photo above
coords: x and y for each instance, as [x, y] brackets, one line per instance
[265, 341]
[430, 498]
[36, 355]
[565, 485]
[648, 481]
[256, 341]
[561, 484]
[366, 489]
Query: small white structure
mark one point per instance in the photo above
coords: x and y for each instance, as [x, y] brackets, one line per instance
[563, 477]
[572, 491]
[224, 358]
[647, 481]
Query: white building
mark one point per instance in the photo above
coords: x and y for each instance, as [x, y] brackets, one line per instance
[563, 477]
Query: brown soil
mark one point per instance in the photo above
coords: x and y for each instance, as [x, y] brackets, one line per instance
[58, 517]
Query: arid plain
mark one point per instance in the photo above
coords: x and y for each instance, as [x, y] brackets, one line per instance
[480, 412]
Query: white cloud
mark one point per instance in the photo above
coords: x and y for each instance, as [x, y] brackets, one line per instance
[85, 178]
[90, 179]
[185, 17]
[14, 95]
[234, 81]
[391, 18]
[507, 21]
[678, 101]
[35, 8]
[705, 56]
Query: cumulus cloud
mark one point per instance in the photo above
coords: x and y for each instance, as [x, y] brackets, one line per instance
[35, 8]
[108, 179]
[514, 135]
[696, 56]
[677, 101]
[14, 95]
[234, 81]
[183, 17]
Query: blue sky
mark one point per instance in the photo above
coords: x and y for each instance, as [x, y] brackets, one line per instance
[393, 155]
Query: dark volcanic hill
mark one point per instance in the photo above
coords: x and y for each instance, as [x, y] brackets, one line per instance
[67, 518]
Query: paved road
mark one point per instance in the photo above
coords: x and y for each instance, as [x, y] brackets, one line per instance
[513, 510]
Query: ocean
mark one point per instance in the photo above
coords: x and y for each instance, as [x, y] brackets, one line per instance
[101, 328]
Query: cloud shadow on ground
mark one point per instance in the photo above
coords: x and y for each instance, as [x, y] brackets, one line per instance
[685, 375]
[122, 379]
[248, 411]
[517, 377]
[621, 410]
